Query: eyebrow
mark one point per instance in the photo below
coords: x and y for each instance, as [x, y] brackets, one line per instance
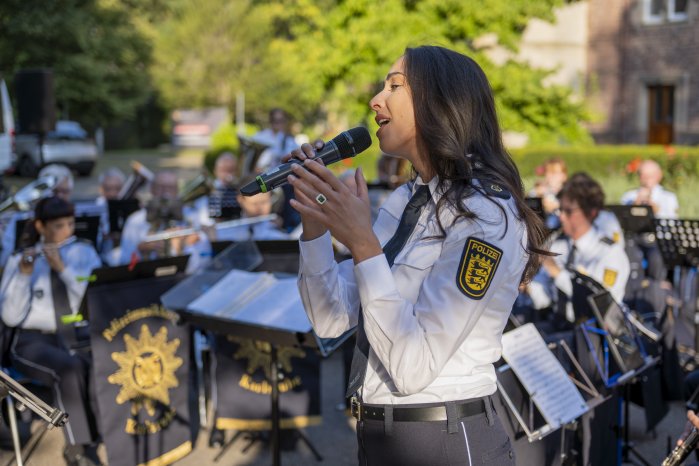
[388, 76]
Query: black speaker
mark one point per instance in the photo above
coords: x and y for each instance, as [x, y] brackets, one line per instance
[35, 100]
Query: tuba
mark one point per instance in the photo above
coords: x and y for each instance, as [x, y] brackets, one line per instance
[136, 180]
[32, 192]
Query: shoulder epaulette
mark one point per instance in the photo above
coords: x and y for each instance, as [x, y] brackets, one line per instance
[494, 189]
[606, 240]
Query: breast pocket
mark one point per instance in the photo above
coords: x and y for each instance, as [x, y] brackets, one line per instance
[420, 255]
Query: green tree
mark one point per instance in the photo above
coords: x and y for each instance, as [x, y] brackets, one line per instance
[99, 59]
[323, 60]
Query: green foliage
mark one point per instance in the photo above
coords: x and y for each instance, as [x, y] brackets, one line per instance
[615, 168]
[98, 57]
[224, 139]
[323, 60]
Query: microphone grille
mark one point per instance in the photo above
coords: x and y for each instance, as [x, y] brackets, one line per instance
[352, 141]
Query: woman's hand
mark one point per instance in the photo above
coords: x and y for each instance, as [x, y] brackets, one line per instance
[345, 213]
[311, 228]
[53, 258]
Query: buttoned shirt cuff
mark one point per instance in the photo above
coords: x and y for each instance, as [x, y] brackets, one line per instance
[373, 277]
[317, 254]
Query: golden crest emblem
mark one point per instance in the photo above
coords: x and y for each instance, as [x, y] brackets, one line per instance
[146, 370]
[479, 262]
[259, 355]
[609, 277]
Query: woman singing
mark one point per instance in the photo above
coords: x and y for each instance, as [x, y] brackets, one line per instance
[431, 285]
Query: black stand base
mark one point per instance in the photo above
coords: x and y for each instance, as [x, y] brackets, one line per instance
[627, 447]
[251, 437]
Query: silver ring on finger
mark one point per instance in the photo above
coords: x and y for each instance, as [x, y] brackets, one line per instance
[321, 199]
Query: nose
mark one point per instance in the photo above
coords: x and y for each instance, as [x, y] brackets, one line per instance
[377, 101]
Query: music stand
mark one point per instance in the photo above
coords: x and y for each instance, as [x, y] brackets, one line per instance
[678, 240]
[289, 328]
[119, 210]
[629, 357]
[537, 205]
[122, 273]
[633, 218]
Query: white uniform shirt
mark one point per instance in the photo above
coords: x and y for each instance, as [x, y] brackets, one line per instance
[136, 228]
[608, 226]
[668, 206]
[430, 341]
[26, 300]
[596, 256]
[280, 144]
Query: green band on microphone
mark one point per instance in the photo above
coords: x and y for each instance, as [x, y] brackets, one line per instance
[261, 182]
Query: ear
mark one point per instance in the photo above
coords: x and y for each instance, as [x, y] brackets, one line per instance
[40, 228]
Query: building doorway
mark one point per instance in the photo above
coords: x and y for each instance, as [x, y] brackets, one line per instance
[661, 114]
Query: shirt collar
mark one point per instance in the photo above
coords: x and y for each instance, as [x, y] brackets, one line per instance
[587, 241]
[432, 184]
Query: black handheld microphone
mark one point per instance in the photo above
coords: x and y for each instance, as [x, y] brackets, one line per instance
[346, 144]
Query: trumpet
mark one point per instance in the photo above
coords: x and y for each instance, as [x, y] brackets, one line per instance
[30, 193]
[167, 235]
[200, 186]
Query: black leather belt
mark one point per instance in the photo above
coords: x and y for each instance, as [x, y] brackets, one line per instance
[363, 412]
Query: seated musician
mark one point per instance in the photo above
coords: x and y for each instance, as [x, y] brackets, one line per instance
[251, 207]
[62, 189]
[110, 183]
[580, 247]
[41, 290]
[163, 213]
[222, 203]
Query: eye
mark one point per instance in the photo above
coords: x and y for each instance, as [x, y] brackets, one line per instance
[395, 86]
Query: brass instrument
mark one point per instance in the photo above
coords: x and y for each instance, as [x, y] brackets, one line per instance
[138, 178]
[200, 186]
[32, 192]
[167, 235]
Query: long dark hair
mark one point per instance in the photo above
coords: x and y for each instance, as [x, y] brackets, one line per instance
[47, 209]
[457, 128]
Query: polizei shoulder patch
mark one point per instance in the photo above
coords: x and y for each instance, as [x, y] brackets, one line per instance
[479, 262]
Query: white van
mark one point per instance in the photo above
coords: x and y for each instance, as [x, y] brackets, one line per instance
[7, 129]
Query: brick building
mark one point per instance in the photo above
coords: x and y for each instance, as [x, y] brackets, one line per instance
[643, 70]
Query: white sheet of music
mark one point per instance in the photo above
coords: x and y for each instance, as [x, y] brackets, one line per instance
[256, 298]
[230, 289]
[553, 393]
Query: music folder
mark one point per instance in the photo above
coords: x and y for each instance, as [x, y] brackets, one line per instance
[633, 218]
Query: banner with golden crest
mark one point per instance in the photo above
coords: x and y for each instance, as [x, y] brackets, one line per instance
[243, 388]
[143, 381]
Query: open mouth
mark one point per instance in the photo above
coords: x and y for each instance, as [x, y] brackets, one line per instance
[383, 122]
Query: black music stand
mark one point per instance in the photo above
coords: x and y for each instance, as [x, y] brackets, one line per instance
[537, 205]
[119, 210]
[620, 338]
[633, 218]
[247, 256]
[678, 240]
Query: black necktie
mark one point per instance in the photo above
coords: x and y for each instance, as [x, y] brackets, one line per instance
[570, 262]
[408, 220]
[61, 308]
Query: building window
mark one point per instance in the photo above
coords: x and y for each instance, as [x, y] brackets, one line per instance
[677, 10]
[659, 11]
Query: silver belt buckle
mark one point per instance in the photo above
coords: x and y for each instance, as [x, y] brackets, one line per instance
[356, 407]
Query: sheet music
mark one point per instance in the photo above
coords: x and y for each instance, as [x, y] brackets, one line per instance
[542, 375]
[282, 307]
[227, 291]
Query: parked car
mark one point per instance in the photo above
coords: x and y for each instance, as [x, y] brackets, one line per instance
[68, 144]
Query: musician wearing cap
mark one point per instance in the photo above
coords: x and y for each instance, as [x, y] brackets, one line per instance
[163, 213]
[40, 294]
[63, 189]
[431, 285]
